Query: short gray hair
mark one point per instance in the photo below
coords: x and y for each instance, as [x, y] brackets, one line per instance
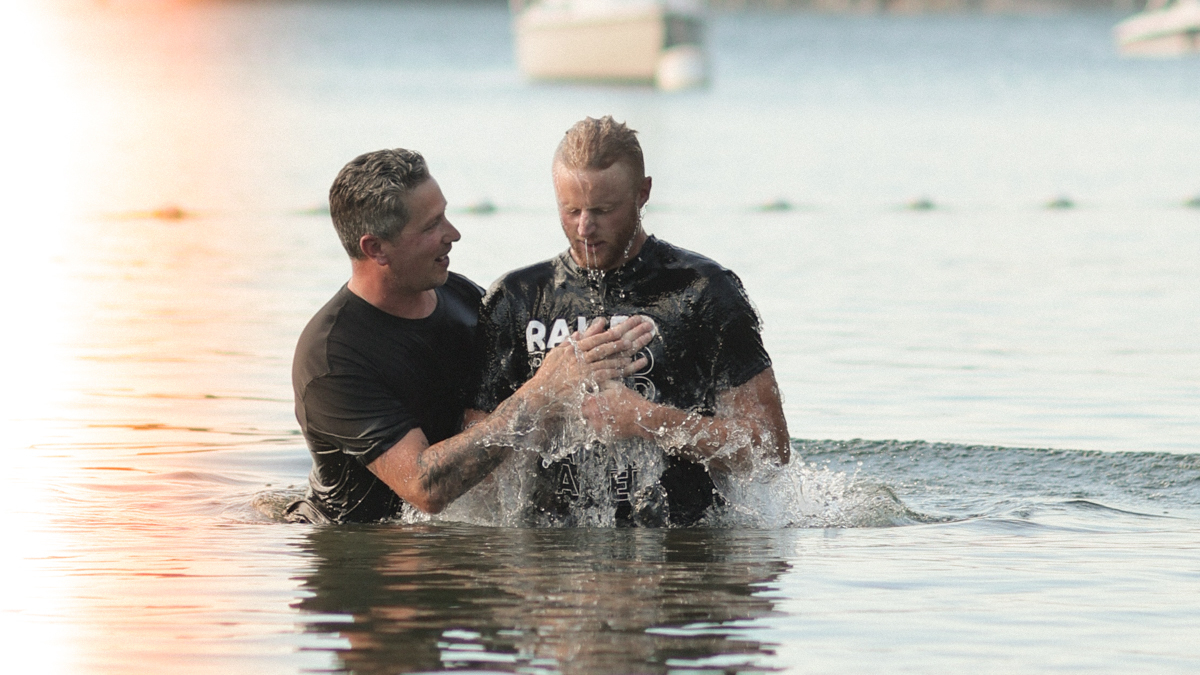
[367, 197]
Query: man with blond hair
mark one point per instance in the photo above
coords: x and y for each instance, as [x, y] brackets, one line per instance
[706, 398]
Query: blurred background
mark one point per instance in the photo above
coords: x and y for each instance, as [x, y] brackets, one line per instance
[959, 222]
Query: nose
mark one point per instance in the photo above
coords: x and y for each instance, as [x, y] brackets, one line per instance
[452, 234]
[586, 225]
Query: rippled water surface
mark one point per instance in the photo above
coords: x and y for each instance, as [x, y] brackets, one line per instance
[165, 167]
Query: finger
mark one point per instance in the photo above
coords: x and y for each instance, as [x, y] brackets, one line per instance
[639, 335]
[617, 359]
[633, 334]
[587, 340]
[618, 331]
[639, 339]
[603, 375]
[605, 351]
[635, 366]
[632, 343]
[595, 327]
[609, 369]
[635, 325]
[623, 362]
[628, 326]
[590, 342]
[607, 342]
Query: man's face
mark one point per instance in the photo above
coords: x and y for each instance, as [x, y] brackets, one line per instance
[419, 256]
[599, 213]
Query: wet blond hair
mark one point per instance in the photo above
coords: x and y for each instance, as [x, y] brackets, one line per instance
[598, 144]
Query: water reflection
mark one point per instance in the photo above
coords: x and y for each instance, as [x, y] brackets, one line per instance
[539, 600]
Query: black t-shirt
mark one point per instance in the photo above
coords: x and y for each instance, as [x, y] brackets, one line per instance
[364, 378]
[708, 343]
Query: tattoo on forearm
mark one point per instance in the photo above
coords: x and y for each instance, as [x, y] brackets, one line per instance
[454, 468]
[452, 473]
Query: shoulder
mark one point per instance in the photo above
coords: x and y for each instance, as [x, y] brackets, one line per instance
[670, 256]
[463, 287]
[319, 327]
[716, 290]
[523, 283]
[705, 275]
[312, 356]
[460, 297]
[530, 274]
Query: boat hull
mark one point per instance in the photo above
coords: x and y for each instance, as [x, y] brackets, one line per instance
[627, 47]
[1167, 31]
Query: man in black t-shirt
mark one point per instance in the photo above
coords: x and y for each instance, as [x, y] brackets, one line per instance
[383, 371]
[706, 397]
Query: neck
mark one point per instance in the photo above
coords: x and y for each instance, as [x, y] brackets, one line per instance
[371, 284]
[639, 240]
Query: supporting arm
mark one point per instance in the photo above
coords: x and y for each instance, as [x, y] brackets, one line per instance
[749, 424]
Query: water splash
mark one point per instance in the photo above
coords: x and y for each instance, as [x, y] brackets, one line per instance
[851, 484]
[796, 495]
[801, 494]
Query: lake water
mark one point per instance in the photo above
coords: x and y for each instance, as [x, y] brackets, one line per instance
[1027, 379]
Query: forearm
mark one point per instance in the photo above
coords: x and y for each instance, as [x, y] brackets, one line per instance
[448, 469]
[749, 425]
[430, 477]
[724, 443]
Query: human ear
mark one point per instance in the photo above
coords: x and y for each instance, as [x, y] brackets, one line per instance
[372, 248]
[644, 192]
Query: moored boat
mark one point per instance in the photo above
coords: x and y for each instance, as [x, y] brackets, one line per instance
[1164, 28]
[656, 42]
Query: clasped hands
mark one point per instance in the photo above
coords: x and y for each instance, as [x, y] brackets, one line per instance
[586, 371]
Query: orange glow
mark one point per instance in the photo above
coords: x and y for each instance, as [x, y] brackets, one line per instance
[37, 128]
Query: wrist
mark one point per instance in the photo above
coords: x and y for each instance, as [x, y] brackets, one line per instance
[663, 425]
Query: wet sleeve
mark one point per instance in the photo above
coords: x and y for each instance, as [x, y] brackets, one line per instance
[355, 413]
[500, 371]
[476, 355]
[737, 352]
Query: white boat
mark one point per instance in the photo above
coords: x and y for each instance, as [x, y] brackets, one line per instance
[1164, 28]
[656, 42]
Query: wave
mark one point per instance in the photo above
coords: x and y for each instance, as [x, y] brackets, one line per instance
[890, 483]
